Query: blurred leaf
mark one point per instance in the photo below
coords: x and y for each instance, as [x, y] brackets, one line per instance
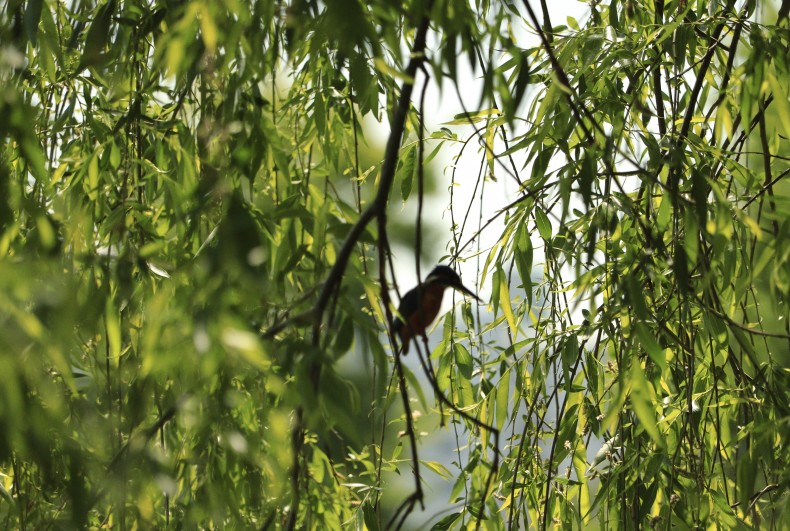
[781, 101]
[98, 37]
[113, 326]
[247, 345]
[32, 16]
[446, 523]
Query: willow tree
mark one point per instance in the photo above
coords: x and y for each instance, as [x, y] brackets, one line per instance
[191, 244]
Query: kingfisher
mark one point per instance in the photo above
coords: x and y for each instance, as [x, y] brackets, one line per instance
[419, 306]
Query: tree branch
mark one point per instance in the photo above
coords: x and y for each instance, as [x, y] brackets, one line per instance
[379, 204]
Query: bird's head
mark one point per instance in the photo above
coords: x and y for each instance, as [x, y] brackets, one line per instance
[444, 276]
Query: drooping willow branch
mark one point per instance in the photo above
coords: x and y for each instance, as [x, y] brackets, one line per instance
[377, 209]
[379, 204]
[388, 167]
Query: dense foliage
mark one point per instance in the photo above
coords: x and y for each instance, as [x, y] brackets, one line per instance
[194, 238]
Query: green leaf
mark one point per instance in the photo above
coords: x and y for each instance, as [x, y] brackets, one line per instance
[415, 384]
[247, 345]
[570, 353]
[505, 302]
[463, 360]
[651, 346]
[407, 171]
[746, 472]
[519, 87]
[723, 511]
[643, 403]
[781, 103]
[98, 37]
[113, 326]
[446, 522]
[490, 154]
[444, 372]
[438, 468]
[384, 68]
[587, 176]
[637, 298]
[466, 118]
[543, 224]
[502, 400]
[32, 16]
[683, 35]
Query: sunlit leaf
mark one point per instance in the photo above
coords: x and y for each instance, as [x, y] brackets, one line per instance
[505, 302]
[472, 117]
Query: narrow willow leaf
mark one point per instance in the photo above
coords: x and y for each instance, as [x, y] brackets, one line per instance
[781, 102]
[463, 360]
[543, 224]
[570, 353]
[472, 117]
[519, 87]
[502, 400]
[651, 346]
[642, 401]
[407, 171]
[724, 125]
[46, 56]
[489, 146]
[383, 67]
[446, 522]
[438, 468]
[32, 16]
[746, 472]
[113, 324]
[636, 297]
[93, 177]
[98, 36]
[506, 303]
[208, 29]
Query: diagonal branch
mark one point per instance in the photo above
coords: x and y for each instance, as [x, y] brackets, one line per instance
[331, 285]
[379, 204]
[388, 167]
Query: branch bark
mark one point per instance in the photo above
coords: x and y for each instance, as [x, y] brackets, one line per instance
[379, 204]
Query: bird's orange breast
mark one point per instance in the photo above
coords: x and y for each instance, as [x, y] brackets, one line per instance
[429, 305]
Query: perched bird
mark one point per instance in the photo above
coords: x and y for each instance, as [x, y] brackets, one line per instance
[419, 306]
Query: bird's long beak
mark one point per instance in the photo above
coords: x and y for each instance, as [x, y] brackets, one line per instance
[463, 289]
